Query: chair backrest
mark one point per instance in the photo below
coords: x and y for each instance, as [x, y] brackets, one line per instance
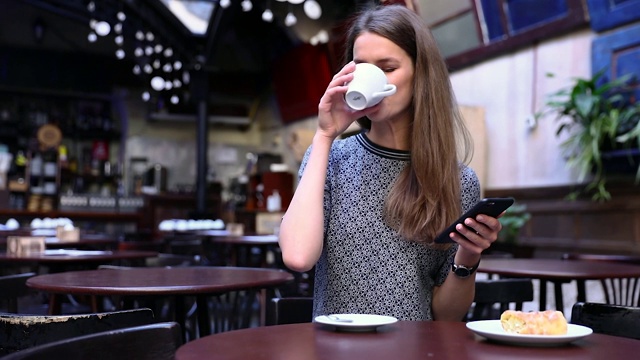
[608, 319]
[617, 291]
[494, 296]
[289, 310]
[147, 342]
[12, 287]
[18, 332]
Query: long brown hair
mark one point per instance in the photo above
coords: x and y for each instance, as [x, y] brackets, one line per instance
[426, 195]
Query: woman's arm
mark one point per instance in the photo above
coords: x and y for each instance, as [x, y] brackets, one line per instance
[452, 299]
[302, 228]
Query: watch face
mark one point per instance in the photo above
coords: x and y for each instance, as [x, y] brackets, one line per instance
[462, 271]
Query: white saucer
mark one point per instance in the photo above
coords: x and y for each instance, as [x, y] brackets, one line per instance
[356, 322]
[492, 330]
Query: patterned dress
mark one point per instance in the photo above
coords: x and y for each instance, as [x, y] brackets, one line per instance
[365, 267]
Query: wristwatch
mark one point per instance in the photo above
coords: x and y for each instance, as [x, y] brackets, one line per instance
[462, 271]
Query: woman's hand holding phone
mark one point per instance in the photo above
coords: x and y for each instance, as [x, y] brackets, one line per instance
[489, 206]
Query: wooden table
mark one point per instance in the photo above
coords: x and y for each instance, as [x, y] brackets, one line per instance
[86, 241]
[69, 256]
[239, 246]
[558, 271]
[402, 340]
[163, 282]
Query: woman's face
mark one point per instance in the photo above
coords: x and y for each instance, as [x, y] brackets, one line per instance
[397, 65]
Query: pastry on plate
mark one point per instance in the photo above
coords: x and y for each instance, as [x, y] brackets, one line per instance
[548, 322]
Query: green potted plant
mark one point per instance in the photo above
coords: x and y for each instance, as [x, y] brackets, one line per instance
[513, 220]
[599, 116]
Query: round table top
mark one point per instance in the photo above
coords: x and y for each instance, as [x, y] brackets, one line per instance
[558, 269]
[401, 340]
[159, 281]
[60, 256]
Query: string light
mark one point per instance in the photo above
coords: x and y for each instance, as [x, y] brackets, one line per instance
[246, 5]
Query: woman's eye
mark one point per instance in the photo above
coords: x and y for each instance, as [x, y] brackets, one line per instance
[388, 69]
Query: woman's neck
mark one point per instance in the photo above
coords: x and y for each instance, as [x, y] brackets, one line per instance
[390, 136]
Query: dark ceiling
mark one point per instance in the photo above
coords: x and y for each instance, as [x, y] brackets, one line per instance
[236, 54]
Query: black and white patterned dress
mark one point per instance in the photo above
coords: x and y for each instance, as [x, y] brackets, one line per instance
[365, 267]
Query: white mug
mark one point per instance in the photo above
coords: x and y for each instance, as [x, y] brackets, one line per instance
[368, 87]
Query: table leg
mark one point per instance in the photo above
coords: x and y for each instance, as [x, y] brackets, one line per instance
[180, 315]
[543, 295]
[263, 307]
[55, 304]
[582, 291]
[204, 324]
[558, 295]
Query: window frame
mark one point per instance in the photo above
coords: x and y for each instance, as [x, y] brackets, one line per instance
[576, 17]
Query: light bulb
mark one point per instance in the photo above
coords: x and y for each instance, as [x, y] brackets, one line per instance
[167, 68]
[168, 52]
[177, 83]
[138, 52]
[119, 39]
[146, 96]
[296, 2]
[158, 48]
[175, 99]
[246, 5]
[168, 85]
[290, 19]
[267, 15]
[103, 28]
[177, 65]
[92, 37]
[149, 36]
[225, 3]
[120, 54]
[136, 69]
[121, 16]
[312, 9]
[139, 35]
[157, 83]
[323, 36]
[117, 28]
[147, 68]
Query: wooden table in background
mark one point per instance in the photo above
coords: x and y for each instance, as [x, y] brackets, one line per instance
[239, 246]
[558, 271]
[66, 258]
[161, 282]
[403, 340]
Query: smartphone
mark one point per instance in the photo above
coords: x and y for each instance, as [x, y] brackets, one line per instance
[488, 206]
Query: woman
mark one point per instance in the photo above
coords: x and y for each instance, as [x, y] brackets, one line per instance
[367, 208]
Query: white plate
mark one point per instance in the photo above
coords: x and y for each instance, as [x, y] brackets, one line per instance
[356, 322]
[492, 329]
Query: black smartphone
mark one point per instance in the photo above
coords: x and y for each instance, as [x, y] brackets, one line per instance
[488, 206]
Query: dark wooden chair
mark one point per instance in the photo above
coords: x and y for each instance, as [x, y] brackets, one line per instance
[617, 291]
[608, 319]
[494, 296]
[289, 310]
[12, 288]
[147, 342]
[19, 332]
